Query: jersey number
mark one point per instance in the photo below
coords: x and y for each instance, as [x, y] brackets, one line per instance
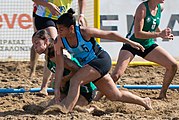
[154, 24]
[85, 48]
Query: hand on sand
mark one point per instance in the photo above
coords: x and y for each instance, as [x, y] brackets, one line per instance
[148, 103]
[162, 96]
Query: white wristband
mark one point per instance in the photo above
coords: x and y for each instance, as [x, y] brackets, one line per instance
[82, 15]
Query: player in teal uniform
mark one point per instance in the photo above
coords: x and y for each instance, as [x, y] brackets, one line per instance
[80, 42]
[71, 66]
[45, 17]
[144, 30]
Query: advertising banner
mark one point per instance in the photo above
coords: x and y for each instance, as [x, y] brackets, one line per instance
[16, 29]
[16, 26]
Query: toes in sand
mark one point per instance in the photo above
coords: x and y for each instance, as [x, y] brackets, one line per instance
[148, 103]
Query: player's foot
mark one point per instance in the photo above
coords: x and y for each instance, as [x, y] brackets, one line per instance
[43, 92]
[162, 96]
[148, 103]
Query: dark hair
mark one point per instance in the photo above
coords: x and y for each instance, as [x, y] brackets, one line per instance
[34, 34]
[67, 19]
[41, 34]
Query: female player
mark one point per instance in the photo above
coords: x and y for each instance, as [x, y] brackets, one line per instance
[144, 30]
[46, 15]
[96, 63]
[43, 39]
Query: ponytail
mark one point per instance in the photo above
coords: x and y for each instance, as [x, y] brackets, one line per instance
[71, 11]
[67, 19]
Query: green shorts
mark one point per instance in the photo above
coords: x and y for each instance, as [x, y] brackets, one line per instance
[87, 91]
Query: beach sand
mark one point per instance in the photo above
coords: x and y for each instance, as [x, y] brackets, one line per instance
[28, 105]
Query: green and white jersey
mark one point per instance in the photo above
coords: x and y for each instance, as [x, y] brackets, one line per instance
[150, 25]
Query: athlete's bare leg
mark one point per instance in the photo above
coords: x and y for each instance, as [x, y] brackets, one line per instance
[163, 58]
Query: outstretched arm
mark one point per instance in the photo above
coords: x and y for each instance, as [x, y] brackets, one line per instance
[59, 68]
[46, 78]
[111, 35]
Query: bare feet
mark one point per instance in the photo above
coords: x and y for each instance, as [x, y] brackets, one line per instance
[43, 92]
[162, 96]
[148, 104]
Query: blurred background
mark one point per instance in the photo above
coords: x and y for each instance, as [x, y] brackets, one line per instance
[16, 26]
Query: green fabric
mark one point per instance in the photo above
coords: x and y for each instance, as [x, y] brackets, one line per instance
[76, 61]
[150, 25]
[85, 89]
[88, 88]
[51, 66]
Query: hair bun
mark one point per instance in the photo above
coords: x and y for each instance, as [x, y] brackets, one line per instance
[71, 11]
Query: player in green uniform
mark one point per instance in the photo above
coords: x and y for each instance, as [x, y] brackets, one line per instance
[144, 30]
[71, 66]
